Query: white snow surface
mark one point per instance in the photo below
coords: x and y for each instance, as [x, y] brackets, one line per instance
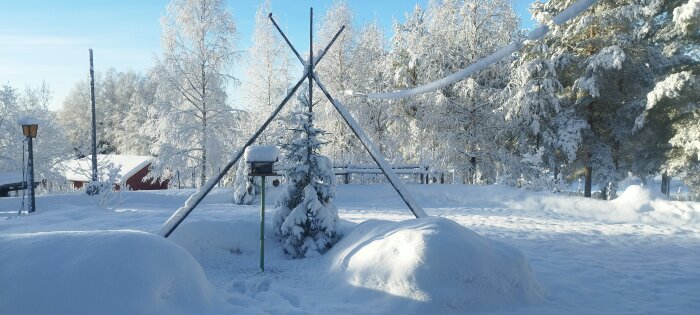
[261, 153]
[511, 252]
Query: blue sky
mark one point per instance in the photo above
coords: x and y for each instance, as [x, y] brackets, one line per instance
[49, 40]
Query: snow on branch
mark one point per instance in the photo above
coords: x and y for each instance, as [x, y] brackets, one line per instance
[561, 18]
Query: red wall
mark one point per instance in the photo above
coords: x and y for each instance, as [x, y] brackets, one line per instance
[135, 182]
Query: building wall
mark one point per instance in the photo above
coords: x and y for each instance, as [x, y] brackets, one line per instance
[136, 182]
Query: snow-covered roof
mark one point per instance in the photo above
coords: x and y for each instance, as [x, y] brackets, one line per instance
[80, 170]
[10, 178]
[28, 121]
[260, 153]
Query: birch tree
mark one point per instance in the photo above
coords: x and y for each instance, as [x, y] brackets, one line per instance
[267, 77]
[198, 42]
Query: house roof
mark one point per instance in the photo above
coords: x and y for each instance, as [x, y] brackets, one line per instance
[80, 170]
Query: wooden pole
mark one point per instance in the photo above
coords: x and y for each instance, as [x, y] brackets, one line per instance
[94, 189]
[194, 200]
[311, 59]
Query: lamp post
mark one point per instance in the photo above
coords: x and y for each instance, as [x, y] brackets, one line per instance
[261, 160]
[29, 129]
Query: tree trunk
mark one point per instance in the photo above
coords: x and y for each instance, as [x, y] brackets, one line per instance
[587, 186]
[665, 183]
[203, 176]
[604, 193]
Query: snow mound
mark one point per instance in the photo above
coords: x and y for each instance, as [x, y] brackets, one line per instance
[640, 204]
[436, 265]
[638, 198]
[99, 272]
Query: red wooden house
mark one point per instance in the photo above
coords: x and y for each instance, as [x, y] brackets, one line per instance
[131, 171]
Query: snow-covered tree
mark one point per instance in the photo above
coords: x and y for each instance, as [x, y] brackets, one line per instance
[244, 187]
[50, 146]
[605, 66]
[402, 71]
[267, 77]
[122, 102]
[668, 128]
[368, 74]
[460, 121]
[306, 221]
[336, 70]
[198, 42]
[543, 136]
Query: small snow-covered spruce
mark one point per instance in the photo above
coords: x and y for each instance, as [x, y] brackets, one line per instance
[306, 222]
[244, 187]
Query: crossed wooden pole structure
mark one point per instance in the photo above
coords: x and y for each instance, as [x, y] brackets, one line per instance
[309, 74]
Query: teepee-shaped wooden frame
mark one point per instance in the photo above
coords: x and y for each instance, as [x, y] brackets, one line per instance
[309, 74]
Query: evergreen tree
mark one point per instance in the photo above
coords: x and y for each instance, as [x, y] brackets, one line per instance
[306, 221]
[604, 66]
[542, 135]
[668, 129]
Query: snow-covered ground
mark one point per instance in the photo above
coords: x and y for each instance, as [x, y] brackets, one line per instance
[541, 253]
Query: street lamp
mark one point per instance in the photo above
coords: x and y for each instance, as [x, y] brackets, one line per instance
[29, 129]
[261, 160]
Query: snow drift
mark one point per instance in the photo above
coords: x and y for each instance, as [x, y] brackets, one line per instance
[436, 264]
[99, 272]
[650, 206]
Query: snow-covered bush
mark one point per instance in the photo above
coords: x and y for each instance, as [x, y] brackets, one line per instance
[244, 187]
[306, 222]
[104, 190]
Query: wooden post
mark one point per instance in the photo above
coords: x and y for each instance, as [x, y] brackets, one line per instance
[94, 189]
[665, 183]
[311, 59]
[587, 185]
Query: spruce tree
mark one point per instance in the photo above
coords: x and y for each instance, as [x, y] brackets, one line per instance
[306, 222]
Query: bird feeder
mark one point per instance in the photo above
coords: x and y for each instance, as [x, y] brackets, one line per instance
[262, 161]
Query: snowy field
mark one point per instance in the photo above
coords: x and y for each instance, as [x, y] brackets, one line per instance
[550, 254]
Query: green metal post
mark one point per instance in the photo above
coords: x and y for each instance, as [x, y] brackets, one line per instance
[262, 226]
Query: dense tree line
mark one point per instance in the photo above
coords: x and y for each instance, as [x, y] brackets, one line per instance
[612, 93]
